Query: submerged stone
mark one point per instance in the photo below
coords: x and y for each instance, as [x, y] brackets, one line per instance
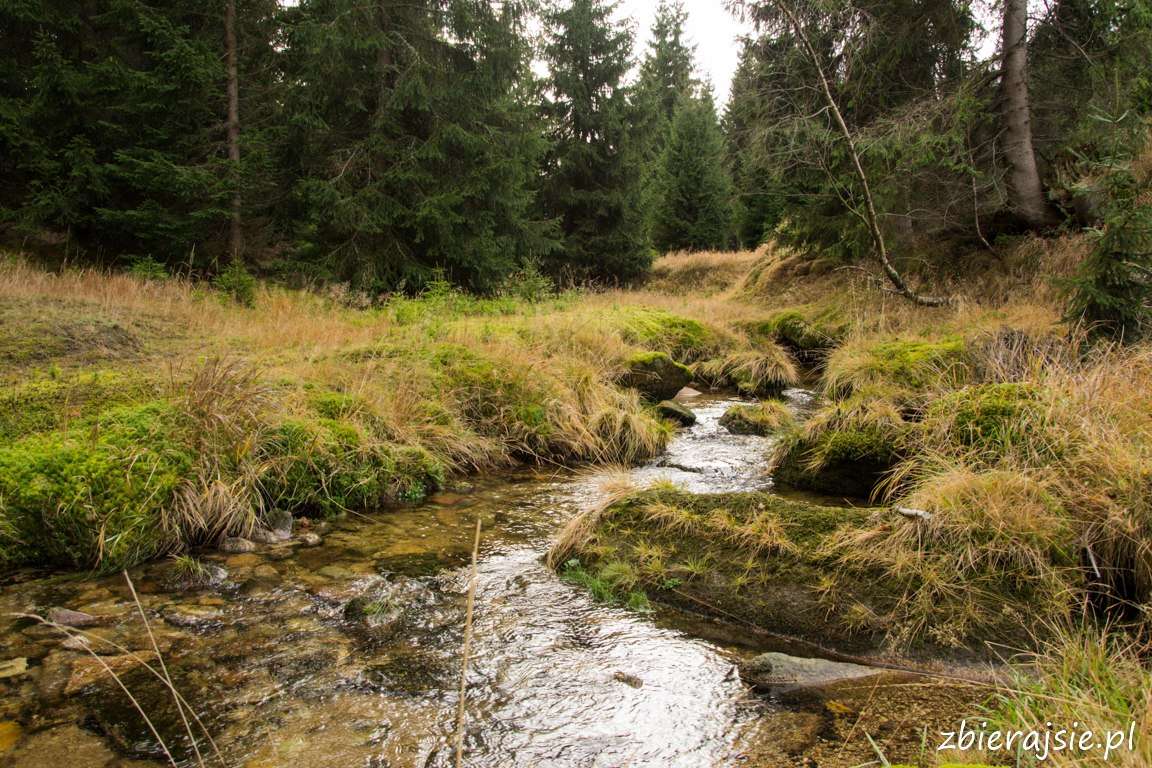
[236, 545]
[13, 667]
[87, 670]
[70, 618]
[779, 671]
[759, 419]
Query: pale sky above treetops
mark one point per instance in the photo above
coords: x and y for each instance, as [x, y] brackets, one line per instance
[711, 28]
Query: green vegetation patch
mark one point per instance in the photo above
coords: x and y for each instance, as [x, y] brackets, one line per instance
[94, 496]
[42, 332]
[758, 556]
[45, 405]
[763, 372]
[655, 375]
[683, 339]
[328, 466]
[762, 418]
[897, 365]
[846, 447]
[986, 416]
[805, 333]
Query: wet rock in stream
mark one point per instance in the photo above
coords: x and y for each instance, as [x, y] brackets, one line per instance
[674, 411]
[70, 618]
[780, 672]
[236, 545]
[195, 617]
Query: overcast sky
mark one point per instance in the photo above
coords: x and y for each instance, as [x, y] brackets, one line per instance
[713, 30]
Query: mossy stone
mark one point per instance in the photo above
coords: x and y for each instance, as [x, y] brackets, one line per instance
[852, 461]
[677, 412]
[655, 375]
[758, 419]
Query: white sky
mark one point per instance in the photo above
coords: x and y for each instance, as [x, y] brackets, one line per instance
[710, 27]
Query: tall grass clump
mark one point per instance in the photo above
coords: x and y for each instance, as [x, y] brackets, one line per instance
[1032, 499]
[1087, 678]
[764, 371]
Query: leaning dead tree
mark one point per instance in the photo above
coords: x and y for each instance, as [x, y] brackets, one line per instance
[899, 284]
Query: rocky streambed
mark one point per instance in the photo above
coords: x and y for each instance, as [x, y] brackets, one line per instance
[342, 648]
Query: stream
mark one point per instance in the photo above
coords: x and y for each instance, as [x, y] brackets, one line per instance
[283, 677]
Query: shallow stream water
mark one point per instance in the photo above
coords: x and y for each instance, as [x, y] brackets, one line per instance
[283, 678]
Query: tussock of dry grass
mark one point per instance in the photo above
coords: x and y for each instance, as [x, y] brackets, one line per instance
[700, 272]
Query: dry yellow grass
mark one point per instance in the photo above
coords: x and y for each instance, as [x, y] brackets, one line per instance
[700, 272]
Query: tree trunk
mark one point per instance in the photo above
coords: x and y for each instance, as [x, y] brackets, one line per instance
[235, 243]
[898, 283]
[1025, 191]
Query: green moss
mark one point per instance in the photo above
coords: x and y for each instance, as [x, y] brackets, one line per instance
[328, 466]
[49, 404]
[336, 405]
[798, 331]
[987, 416]
[612, 582]
[758, 556]
[655, 375]
[760, 419]
[845, 447]
[94, 497]
[898, 365]
[681, 338]
[501, 402]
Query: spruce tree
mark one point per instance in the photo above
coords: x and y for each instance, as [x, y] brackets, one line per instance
[592, 169]
[693, 192]
[412, 143]
[666, 80]
[111, 123]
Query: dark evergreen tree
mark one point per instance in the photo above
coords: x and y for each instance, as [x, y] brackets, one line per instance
[592, 171]
[666, 74]
[666, 80]
[112, 122]
[693, 192]
[412, 141]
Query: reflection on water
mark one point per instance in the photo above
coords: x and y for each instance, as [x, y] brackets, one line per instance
[287, 673]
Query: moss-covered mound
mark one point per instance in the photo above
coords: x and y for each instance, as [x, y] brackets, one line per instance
[987, 558]
[845, 448]
[986, 417]
[655, 375]
[43, 405]
[762, 418]
[765, 371]
[328, 466]
[681, 338]
[808, 335]
[756, 556]
[897, 365]
[95, 495]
